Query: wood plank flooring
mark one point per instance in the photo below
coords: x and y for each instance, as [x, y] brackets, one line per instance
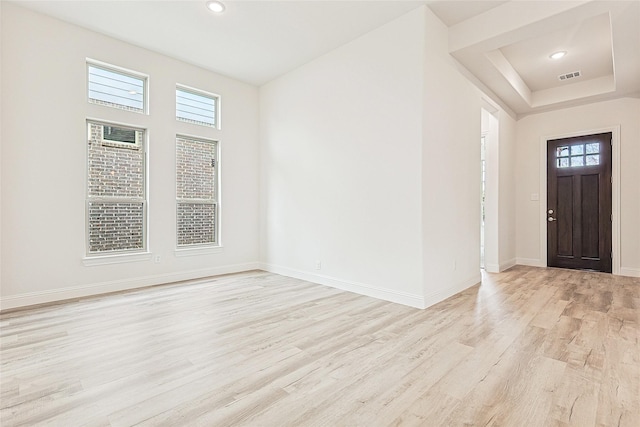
[528, 347]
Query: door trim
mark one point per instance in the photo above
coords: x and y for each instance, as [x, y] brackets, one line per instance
[615, 191]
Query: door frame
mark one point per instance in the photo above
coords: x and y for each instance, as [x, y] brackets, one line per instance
[615, 191]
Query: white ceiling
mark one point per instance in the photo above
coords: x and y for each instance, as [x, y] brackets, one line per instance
[588, 44]
[502, 45]
[506, 49]
[453, 12]
[253, 41]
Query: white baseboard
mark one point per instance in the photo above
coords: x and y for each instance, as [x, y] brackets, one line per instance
[505, 265]
[630, 272]
[491, 268]
[441, 295]
[531, 262]
[399, 297]
[497, 268]
[33, 298]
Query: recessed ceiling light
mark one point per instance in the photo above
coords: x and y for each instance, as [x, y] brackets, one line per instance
[215, 6]
[558, 55]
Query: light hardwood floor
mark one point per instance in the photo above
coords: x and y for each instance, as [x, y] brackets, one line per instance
[529, 347]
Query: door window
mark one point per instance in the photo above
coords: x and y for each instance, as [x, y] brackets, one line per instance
[576, 155]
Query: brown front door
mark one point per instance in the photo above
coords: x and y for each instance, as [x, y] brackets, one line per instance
[579, 202]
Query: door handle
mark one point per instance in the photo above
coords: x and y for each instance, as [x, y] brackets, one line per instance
[551, 219]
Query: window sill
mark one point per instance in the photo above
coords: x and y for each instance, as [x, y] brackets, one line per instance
[203, 250]
[116, 258]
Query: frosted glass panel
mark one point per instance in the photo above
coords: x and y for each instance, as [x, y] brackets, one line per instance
[577, 149]
[593, 148]
[563, 151]
[593, 159]
[577, 161]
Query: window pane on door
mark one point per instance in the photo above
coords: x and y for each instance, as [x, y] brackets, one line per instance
[593, 159]
[593, 148]
[563, 151]
[577, 149]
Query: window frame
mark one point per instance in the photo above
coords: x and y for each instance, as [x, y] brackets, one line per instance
[142, 144]
[216, 201]
[124, 71]
[217, 103]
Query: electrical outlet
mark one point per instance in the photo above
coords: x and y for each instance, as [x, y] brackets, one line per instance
[156, 259]
[318, 265]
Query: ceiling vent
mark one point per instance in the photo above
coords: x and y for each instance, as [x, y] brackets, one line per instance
[568, 76]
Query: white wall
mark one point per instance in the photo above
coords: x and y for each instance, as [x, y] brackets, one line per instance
[341, 159]
[623, 112]
[507, 191]
[371, 165]
[1, 127]
[44, 109]
[450, 171]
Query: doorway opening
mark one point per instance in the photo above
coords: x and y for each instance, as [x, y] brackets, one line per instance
[489, 158]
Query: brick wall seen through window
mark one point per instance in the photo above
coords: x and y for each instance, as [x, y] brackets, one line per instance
[196, 191]
[116, 204]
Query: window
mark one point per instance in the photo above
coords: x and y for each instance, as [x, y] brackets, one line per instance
[116, 193]
[113, 87]
[196, 191]
[197, 107]
[575, 155]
